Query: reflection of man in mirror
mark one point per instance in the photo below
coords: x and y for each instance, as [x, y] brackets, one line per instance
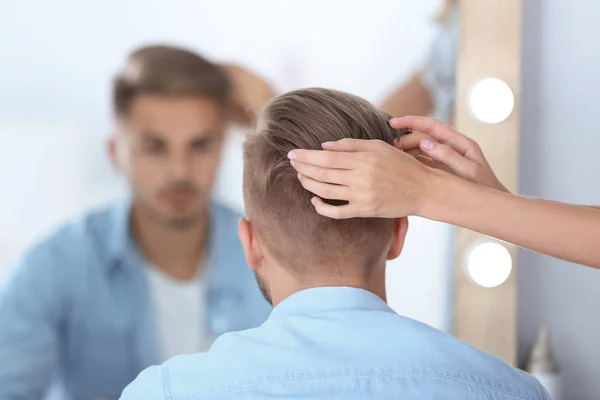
[331, 333]
[160, 274]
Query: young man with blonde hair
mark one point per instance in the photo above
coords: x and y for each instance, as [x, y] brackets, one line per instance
[331, 333]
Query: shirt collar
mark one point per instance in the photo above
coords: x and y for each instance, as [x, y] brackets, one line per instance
[122, 246]
[120, 234]
[329, 298]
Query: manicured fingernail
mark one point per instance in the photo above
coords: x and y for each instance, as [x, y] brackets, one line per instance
[313, 201]
[299, 176]
[293, 163]
[427, 144]
[291, 155]
[328, 144]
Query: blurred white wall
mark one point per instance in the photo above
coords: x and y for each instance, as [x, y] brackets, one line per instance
[58, 58]
[560, 138]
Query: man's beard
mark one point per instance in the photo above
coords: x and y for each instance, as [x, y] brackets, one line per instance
[178, 223]
[263, 288]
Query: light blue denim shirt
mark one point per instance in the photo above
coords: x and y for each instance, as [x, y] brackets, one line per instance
[76, 310]
[336, 342]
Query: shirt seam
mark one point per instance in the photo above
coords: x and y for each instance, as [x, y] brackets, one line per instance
[485, 394]
[166, 383]
[480, 385]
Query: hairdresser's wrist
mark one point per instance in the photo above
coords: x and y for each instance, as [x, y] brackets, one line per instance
[447, 197]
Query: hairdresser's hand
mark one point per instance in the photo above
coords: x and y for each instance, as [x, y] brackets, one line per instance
[439, 146]
[250, 93]
[376, 179]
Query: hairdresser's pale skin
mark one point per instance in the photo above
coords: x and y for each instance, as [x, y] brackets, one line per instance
[444, 177]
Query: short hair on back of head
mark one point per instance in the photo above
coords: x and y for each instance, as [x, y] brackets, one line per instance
[170, 71]
[279, 206]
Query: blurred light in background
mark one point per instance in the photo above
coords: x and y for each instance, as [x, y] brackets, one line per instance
[488, 264]
[491, 100]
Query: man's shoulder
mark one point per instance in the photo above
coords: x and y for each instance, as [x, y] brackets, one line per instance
[50, 266]
[186, 376]
[490, 372]
[74, 240]
[150, 384]
[200, 375]
[441, 354]
[278, 352]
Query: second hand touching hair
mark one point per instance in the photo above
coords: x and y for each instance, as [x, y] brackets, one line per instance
[440, 174]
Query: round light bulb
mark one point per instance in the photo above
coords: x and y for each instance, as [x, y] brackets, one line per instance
[488, 264]
[491, 100]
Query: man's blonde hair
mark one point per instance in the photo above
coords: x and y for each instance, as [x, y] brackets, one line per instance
[169, 71]
[277, 204]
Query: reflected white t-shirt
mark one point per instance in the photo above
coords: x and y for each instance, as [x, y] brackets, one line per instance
[179, 309]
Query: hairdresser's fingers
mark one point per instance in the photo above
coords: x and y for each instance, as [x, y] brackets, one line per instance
[414, 152]
[426, 125]
[335, 212]
[355, 145]
[411, 141]
[423, 159]
[325, 190]
[438, 131]
[429, 162]
[426, 160]
[321, 158]
[323, 174]
[446, 155]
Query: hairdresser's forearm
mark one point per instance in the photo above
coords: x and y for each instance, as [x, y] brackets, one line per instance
[564, 231]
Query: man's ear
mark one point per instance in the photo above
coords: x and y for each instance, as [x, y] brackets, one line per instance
[251, 243]
[398, 236]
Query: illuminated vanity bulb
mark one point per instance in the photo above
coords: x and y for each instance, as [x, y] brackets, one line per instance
[488, 264]
[491, 100]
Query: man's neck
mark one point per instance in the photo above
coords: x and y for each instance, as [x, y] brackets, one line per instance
[286, 285]
[176, 251]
